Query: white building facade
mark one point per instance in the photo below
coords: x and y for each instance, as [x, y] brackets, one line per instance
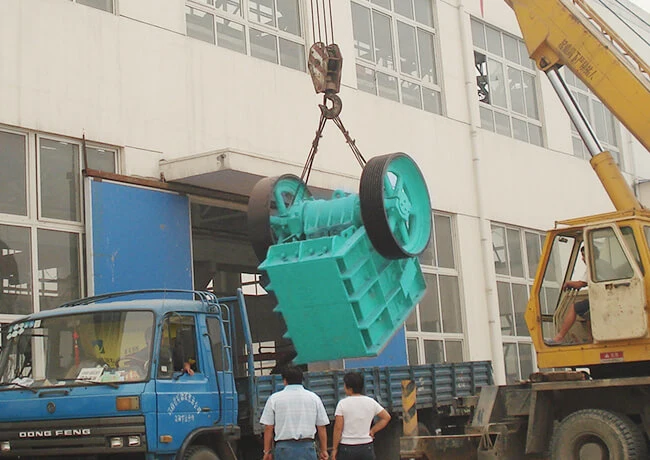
[214, 94]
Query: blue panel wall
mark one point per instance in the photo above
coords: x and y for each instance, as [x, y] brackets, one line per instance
[394, 354]
[141, 238]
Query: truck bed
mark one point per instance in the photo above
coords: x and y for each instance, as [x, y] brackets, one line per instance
[437, 385]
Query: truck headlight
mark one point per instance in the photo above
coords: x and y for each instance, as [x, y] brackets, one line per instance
[134, 441]
[5, 446]
[116, 442]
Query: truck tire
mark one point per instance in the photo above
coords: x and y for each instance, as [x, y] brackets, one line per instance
[200, 453]
[595, 434]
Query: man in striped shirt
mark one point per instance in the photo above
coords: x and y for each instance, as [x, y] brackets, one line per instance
[292, 417]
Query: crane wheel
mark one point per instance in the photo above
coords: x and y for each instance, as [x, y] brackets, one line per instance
[200, 453]
[598, 434]
[272, 196]
[395, 206]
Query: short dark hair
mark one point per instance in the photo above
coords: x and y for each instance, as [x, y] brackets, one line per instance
[354, 381]
[292, 375]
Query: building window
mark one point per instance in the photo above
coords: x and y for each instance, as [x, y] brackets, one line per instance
[505, 79]
[41, 221]
[396, 51]
[516, 255]
[434, 331]
[266, 29]
[105, 5]
[600, 118]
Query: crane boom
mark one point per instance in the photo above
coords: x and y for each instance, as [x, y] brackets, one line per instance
[570, 33]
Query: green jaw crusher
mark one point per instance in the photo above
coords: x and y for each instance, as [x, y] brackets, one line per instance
[345, 270]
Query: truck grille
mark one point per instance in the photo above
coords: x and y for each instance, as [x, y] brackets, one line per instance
[59, 438]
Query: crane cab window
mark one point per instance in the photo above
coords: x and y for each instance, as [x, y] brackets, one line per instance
[607, 260]
[177, 345]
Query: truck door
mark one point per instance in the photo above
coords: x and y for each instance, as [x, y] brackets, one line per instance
[184, 402]
[616, 290]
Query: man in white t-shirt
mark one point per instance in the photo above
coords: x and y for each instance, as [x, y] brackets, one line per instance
[353, 434]
[292, 417]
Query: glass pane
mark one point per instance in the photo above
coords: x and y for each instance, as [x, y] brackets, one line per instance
[292, 54]
[60, 177]
[520, 300]
[526, 360]
[383, 3]
[583, 102]
[411, 94]
[533, 253]
[387, 86]
[412, 321]
[231, 35]
[611, 128]
[13, 185]
[502, 123]
[289, 17]
[607, 259]
[366, 79]
[526, 61]
[579, 148]
[100, 159]
[454, 351]
[383, 40]
[58, 268]
[482, 78]
[428, 256]
[427, 57]
[262, 11]
[535, 134]
[512, 367]
[478, 34]
[531, 96]
[493, 41]
[433, 352]
[429, 306]
[450, 302]
[487, 119]
[407, 49]
[263, 45]
[500, 252]
[413, 357]
[230, 6]
[497, 86]
[444, 241]
[424, 12]
[520, 129]
[432, 101]
[199, 24]
[505, 308]
[15, 271]
[511, 46]
[514, 253]
[516, 91]
[600, 125]
[404, 7]
[362, 30]
[106, 5]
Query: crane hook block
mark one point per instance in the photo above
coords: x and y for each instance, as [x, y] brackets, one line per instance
[345, 271]
[325, 65]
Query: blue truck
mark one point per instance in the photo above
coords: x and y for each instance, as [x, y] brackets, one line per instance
[161, 374]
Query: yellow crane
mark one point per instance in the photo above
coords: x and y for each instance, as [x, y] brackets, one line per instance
[593, 399]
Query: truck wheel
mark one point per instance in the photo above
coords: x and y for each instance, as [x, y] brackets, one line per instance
[200, 453]
[598, 434]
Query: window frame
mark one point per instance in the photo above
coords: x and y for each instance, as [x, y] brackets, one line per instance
[420, 336]
[506, 64]
[244, 20]
[396, 72]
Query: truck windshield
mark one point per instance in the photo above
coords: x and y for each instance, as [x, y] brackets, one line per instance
[106, 346]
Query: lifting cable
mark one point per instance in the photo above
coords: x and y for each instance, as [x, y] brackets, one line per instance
[325, 65]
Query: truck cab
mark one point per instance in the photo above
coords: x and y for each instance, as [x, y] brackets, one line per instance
[131, 377]
[615, 327]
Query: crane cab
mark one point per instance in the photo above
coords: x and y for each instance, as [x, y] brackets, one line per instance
[614, 268]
